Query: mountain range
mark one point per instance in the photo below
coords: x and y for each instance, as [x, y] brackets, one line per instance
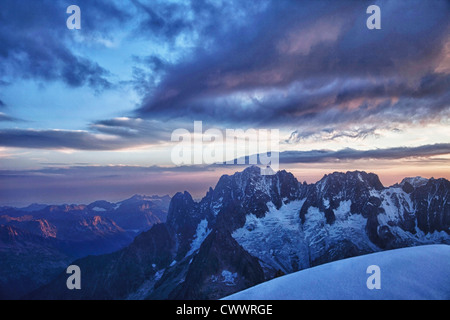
[38, 242]
[252, 228]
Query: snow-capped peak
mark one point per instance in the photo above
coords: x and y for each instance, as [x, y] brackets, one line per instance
[415, 181]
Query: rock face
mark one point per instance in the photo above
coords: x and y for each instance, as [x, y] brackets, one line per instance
[220, 267]
[251, 228]
[117, 274]
[27, 261]
[357, 187]
[431, 202]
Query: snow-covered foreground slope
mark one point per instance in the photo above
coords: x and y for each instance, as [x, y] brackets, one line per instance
[410, 273]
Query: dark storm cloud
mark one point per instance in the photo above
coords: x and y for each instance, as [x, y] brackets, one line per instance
[36, 43]
[297, 61]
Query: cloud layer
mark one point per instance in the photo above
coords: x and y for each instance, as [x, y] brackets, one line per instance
[37, 45]
[318, 156]
[306, 64]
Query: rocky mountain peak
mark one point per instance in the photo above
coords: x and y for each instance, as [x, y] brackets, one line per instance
[414, 181]
[351, 179]
[251, 227]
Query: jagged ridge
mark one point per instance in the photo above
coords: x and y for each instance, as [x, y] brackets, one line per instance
[283, 225]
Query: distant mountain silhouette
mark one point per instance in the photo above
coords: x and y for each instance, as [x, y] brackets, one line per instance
[38, 242]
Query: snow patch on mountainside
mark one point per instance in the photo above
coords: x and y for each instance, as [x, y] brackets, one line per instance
[343, 211]
[226, 277]
[282, 242]
[396, 203]
[200, 235]
[98, 209]
[410, 273]
[397, 206]
[323, 239]
[216, 206]
[229, 277]
[142, 292]
[415, 181]
[274, 238]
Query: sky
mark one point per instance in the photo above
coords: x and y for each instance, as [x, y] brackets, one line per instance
[88, 114]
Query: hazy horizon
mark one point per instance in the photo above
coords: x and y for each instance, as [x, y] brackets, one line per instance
[198, 190]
